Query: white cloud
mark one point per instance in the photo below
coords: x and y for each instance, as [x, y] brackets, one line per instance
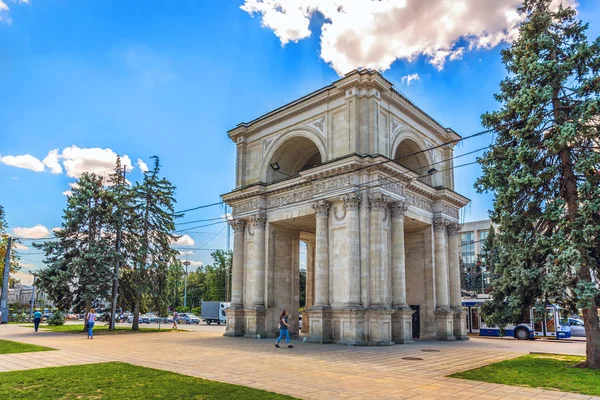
[20, 246]
[185, 253]
[51, 161]
[142, 165]
[4, 10]
[407, 79]
[195, 264]
[24, 277]
[185, 240]
[26, 161]
[67, 193]
[99, 161]
[373, 34]
[35, 232]
[56, 229]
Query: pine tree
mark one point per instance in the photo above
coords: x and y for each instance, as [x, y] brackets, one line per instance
[14, 258]
[80, 263]
[151, 234]
[544, 170]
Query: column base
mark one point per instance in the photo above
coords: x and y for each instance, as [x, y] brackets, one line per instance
[379, 326]
[351, 321]
[320, 324]
[402, 325]
[235, 321]
[305, 322]
[254, 322]
[444, 324]
[460, 324]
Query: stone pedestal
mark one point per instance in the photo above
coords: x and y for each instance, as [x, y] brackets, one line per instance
[444, 324]
[320, 324]
[402, 325]
[305, 322]
[255, 322]
[379, 330]
[460, 324]
[235, 321]
[352, 326]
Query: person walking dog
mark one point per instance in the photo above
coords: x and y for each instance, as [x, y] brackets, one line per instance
[37, 318]
[91, 318]
[284, 329]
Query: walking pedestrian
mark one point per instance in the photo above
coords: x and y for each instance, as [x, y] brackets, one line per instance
[37, 317]
[284, 329]
[175, 319]
[91, 318]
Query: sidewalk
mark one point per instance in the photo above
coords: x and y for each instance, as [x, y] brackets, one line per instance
[308, 371]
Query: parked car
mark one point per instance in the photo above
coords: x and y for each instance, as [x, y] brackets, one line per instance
[142, 320]
[152, 317]
[577, 328]
[189, 318]
[299, 321]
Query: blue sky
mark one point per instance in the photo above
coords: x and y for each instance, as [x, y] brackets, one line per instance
[170, 78]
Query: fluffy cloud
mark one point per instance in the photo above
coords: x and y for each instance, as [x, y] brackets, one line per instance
[186, 253]
[4, 10]
[373, 34]
[195, 264]
[142, 165]
[185, 240]
[20, 246]
[407, 79]
[51, 161]
[67, 193]
[26, 161]
[99, 161]
[35, 232]
[24, 277]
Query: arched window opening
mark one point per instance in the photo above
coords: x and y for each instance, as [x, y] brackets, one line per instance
[415, 162]
[294, 155]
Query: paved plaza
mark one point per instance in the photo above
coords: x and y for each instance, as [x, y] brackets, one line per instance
[310, 371]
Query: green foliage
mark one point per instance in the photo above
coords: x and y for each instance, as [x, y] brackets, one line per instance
[197, 310]
[544, 170]
[56, 319]
[98, 381]
[14, 258]
[539, 370]
[183, 309]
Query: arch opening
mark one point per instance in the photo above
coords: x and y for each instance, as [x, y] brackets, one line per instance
[415, 162]
[293, 156]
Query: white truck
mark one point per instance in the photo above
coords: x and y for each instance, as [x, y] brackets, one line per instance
[214, 311]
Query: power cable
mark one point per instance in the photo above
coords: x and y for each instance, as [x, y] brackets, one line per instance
[200, 220]
[199, 207]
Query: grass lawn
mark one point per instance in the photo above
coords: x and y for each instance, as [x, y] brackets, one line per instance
[9, 347]
[540, 371]
[118, 381]
[99, 329]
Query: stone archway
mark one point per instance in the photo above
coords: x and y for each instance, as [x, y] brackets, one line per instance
[291, 154]
[419, 163]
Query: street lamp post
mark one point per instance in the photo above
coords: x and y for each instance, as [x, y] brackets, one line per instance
[186, 263]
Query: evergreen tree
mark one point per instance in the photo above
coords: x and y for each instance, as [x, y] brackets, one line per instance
[544, 170]
[150, 234]
[14, 258]
[80, 263]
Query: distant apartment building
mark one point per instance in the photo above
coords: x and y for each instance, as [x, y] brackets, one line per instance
[473, 235]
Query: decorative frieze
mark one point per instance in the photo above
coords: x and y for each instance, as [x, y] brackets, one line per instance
[321, 207]
[331, 184]
[449, 210]
[392, 186]
[419, 202]
[289, 198]
[318, 125]
[245, 207]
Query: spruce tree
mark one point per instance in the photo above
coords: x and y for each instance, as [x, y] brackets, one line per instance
[80, 263]
[14, 258]
[151, 234]
[544, 171]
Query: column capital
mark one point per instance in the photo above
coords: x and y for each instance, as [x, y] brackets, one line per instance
[258, 221]
[398, 209]
[351, 201]
[237, 225]
[321, 207]
[440, 224]
[378, 201]
[454, 228]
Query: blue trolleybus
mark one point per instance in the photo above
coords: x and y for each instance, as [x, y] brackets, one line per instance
[538, 324]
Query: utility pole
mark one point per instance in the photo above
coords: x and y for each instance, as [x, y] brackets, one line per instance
[186, 263]
[4, 300]
[33, 293]
[115, 289]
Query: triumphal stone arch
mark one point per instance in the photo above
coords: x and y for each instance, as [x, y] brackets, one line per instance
[365, 178]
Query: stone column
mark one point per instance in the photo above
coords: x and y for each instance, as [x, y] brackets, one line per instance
[351, 202]
[379, 316]
[460, 323]
[320, 312]
[235, 313]
[310, 284]
[402, 316]
[443, 313]
[256, 314]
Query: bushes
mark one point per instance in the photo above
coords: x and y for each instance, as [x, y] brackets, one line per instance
[56, 319]
[182, 309]
[197, 310]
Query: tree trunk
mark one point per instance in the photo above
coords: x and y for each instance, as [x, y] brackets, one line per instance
[136, 312]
